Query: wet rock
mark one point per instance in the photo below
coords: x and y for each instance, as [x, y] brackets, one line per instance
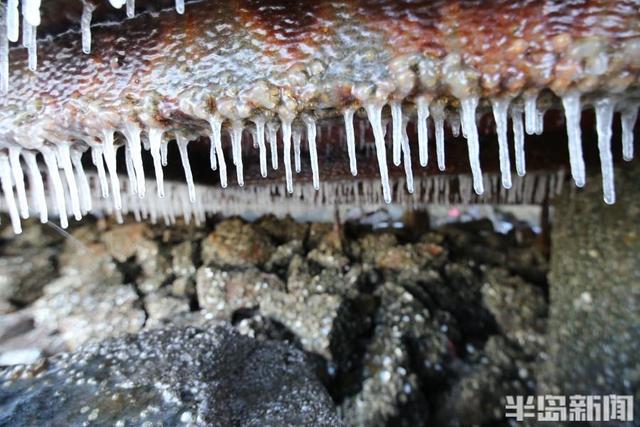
[311, 319]
[169, 377]
[406, 343]
[182, 259]
[519, 308]
[478, 396]
[328, 252]
[34, 235]
[282, 256]
[317, 231]
[23, 276]
[236, 244]
[282, 230]
[89, 308]
[183, 287]
[372, 246]
[14, 324]
[161, 308]
[223, 292]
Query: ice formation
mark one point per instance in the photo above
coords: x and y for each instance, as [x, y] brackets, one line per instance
[64, 187]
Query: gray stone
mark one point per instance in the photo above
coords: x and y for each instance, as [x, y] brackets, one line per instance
[170, 376]
[161, 308]
[594, 338]
[84, 308]
[23, 276]
[223, 292]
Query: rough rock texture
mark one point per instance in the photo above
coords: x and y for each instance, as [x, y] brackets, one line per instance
[402, 327]
[594, 315]
[172, 376]
[235, 243]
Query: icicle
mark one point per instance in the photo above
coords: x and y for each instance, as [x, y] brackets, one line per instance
[406, 157]
[628, 118]
[13, 21]
[604, 121]
[286, 139]
[131, 8]
[54, 176]
[213, 161]
[313, 153]
[454, 123]
[423, 131]
[539, 121]
[180, 6]
[96, 157]
[32, 49]
[36, 186]
[131, 173]
[272, 135]
[572, 111]
[85, 25]
[83, 182]
[518, 139]
[64, 157]
[155, 142]
[396, 118]
[7, 189]
[468, 120]
[132, 133]
[184, 157]
[296, 136]
[215, 122]
[18, 179]
[438, 120]
[374, 112]
[164, 149]
[4, 52]
[530, 113]
[351, 143]
[236, 145]
[259, 122]
[500, 108]
[117, 3]
[32, 12]
[110, 160]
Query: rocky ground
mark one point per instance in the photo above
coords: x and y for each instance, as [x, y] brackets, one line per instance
[269, 323]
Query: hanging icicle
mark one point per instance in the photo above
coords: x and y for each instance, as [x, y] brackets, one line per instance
[85, 25]
[215, 122]
[36, 186]
[313, 154]
[469, 128]
[184, 157]
[423, 130]
[7, 189]
[155, 142]
[374, 112]
[110, 160]
[351, 140]
[500, 115]
[604, 121]
[572, 112]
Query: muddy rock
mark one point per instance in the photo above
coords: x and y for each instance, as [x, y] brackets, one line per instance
[223, 292]
[236, 244]
[170, 376]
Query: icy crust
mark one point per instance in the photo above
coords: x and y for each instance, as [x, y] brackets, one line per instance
[239, 74]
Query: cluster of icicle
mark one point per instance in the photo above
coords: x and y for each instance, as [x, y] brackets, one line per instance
[30, 10]
[503, 108]
[77, 197]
